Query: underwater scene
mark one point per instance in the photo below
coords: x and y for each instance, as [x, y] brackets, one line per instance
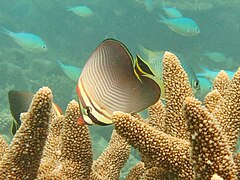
[130, 89]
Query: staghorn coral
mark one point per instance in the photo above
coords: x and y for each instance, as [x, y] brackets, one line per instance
[6, 123]
[107, 166]
[67, 153]
[210, 148]
[207, 153]
[21, 160]
[200, 151]
[3, 147]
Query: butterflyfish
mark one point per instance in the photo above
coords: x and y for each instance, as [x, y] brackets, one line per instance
[28, 41]
[109, 83]
[182, 25]
[19, 102]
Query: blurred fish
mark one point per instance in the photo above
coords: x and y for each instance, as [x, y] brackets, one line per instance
[154, 60]
[211, 74]
[70, 71]
[82, 11]
[149, 4]
[172, 12]
[109, 82]
[28, 41]
[19, 102]
[216, 56]
[206, 87]
[183, 26]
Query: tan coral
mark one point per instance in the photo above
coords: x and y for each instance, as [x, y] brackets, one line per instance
[164, 150]
[112, 160]
[177, 88]
[212, 100]
[228, 111]
[210, 151]
[72, 156]
[3, 147]
[76, 150]
[216, 177]
[50, 163]
[22, 159]
[136, 172]
[157, 115]
[221, 82]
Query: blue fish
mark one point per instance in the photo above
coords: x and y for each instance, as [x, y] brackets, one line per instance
[28, 41]
[216, 56]
[82, 11]
[183, 26]
[149, 5]
[211, 74]
[154, 60]
[70, 71]
[172, 12]
[206, 87]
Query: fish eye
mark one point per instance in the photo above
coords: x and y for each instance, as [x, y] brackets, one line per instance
[44, 47]
[88, 110]
[196, 84]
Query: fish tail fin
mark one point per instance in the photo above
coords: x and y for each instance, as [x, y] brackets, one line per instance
[60, 64]
[6, 31]
[69, 8]
[162, 18]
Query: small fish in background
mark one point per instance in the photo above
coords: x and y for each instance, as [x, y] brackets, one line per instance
[211, 74]
[110, 82]
[182, 25]
[206, 87]
[217, 57]
[154, 60]
[82, 11]
[70, 71]
[28, 41]
[149, 4]
[172, 12]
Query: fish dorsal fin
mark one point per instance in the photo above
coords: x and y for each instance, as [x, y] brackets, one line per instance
[149, 53]
[108, 82]
[19, 101]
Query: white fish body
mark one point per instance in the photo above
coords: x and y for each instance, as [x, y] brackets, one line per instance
[28, 41]
[216, 56]
[82, 11]
[206, 87]
[211, 74]
[149, 5]
[71, 71]
[183, 26]
[172, 12]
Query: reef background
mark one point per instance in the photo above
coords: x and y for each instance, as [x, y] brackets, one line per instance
[72, 39]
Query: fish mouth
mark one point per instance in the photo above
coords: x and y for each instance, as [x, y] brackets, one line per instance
[81, 121]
